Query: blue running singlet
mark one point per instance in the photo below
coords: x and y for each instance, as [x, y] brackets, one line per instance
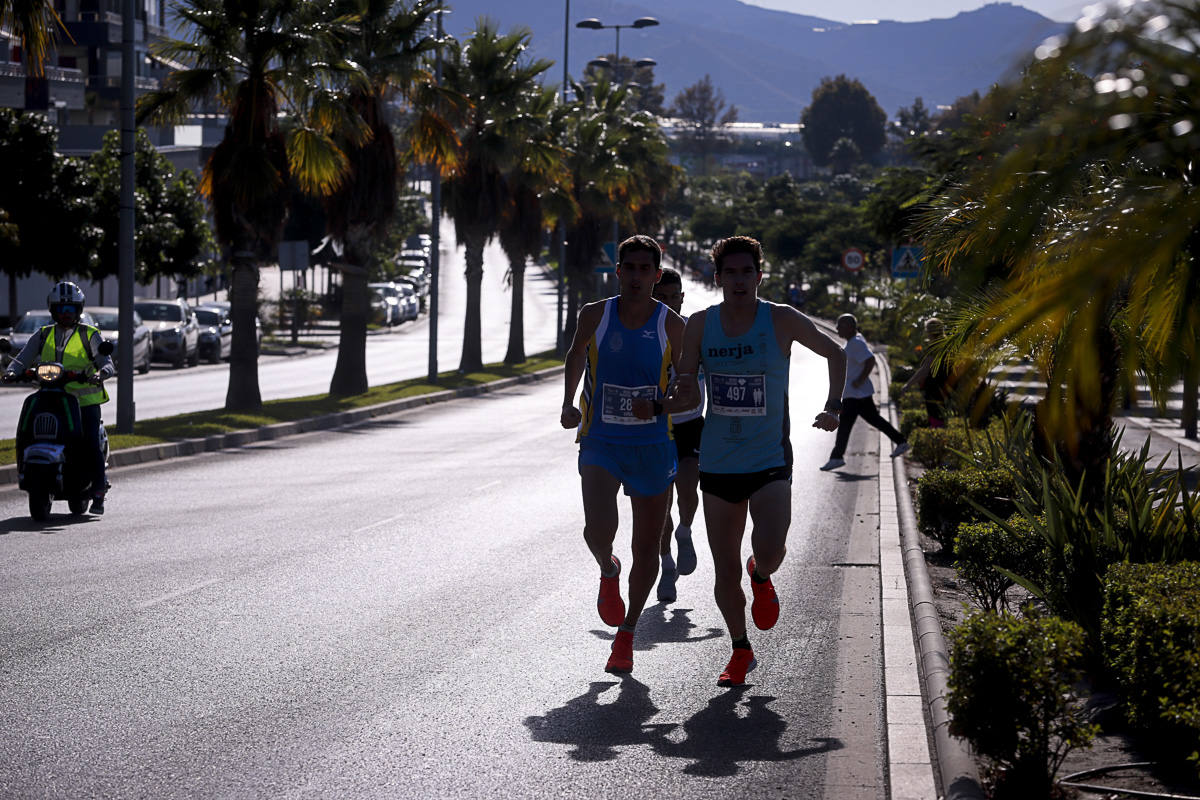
[746, 428]
[623, 365]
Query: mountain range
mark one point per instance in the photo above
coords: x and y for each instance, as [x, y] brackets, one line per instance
[768, 62]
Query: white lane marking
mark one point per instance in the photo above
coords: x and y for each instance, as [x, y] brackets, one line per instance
[487, 486]
[178, 593]
[380, 522]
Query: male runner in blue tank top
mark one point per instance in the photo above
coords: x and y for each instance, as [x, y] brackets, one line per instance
[743, 345]
[623, 348]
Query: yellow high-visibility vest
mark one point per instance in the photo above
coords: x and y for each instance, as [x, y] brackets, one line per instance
[74, 357]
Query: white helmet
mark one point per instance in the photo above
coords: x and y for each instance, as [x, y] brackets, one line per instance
[65, 298]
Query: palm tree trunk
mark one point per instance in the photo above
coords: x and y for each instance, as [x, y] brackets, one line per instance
[472, 350]
[243, 393]
[350, 373]
[516, 324]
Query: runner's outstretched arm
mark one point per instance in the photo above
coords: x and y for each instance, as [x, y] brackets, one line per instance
[801, 329]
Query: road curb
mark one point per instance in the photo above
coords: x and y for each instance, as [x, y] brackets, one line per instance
[956, 765]
[149, 453]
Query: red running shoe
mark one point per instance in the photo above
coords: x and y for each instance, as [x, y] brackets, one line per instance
[741, 662]
[609, 602]
[765, 608]
[621, 659]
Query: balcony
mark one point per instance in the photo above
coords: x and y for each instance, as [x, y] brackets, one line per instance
[113, 83]
[58, 87]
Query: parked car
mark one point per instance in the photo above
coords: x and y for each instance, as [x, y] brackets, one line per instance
[108, 321]
[174, 330]
[385, 308]
[223, 308]
[216, 334]
[419, 289]
[419, 241]
[406, 298]
[30, 323]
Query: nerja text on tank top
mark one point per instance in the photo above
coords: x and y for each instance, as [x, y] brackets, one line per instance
[746, 428]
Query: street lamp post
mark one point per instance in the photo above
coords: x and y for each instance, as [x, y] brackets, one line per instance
[594, 24]
[561, 228]
[435, 212]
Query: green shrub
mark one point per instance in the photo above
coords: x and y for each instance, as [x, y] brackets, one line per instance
[1151, 635]
[941, 447]
[1011, 696]
[982, 547]
[947, 498]
[911, 419]
[1128, 512]
[902, 372]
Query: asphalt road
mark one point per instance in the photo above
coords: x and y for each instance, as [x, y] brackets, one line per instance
[407, 609]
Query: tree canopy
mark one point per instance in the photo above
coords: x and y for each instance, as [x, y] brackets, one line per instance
[842, 108]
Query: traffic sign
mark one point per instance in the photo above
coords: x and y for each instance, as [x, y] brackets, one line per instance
[604, 269]
[610, 250]
[907, 261]
[853, 259]
[293, 254]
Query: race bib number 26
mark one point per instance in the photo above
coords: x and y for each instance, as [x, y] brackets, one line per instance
[739, 395]
[618, 404]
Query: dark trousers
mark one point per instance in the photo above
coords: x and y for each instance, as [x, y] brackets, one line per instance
[852, 409]
[91, 430]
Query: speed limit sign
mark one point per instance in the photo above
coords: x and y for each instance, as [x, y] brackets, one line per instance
[853, 259]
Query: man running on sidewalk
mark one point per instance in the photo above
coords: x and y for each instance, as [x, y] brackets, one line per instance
[686, 427]
[743, 345]
[623, 349]
[858, 398]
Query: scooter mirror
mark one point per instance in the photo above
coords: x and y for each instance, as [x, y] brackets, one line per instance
[5, 346]
[106, 348]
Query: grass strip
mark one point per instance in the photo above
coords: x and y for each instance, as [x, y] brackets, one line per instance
[219, 421]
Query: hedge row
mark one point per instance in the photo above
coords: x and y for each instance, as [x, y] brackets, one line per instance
[1151, 635]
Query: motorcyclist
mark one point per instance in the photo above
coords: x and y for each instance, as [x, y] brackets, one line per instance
[76, 346]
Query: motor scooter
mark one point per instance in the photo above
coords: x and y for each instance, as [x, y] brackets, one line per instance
[53, 460]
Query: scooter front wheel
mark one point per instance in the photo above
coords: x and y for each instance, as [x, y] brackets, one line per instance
[39, 506]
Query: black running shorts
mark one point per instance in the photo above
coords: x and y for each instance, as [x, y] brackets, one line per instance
[687, 437]
[737, 487]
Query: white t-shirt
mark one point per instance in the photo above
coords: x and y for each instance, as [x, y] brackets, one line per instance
[858, 353]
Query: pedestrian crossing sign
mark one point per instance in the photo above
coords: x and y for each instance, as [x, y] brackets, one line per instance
[907, 261]
[610, 250]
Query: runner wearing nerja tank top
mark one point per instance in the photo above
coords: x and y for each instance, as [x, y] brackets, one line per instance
[745, 459]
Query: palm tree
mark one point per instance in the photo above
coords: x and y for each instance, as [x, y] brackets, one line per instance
[492, 74]
[33, 22]
[540, 170]
[1096, 215]
[387, 50]
[252, 58]
[619, 167]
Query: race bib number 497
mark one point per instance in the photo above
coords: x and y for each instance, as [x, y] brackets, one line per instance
[618, 404]
[739, 395]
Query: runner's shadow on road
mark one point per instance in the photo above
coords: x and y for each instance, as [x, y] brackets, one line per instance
[595, 730]
[852, 477]
[661, 624]
[58, 523]
[719, 738]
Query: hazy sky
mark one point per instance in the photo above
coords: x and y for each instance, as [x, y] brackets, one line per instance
[913, 10]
